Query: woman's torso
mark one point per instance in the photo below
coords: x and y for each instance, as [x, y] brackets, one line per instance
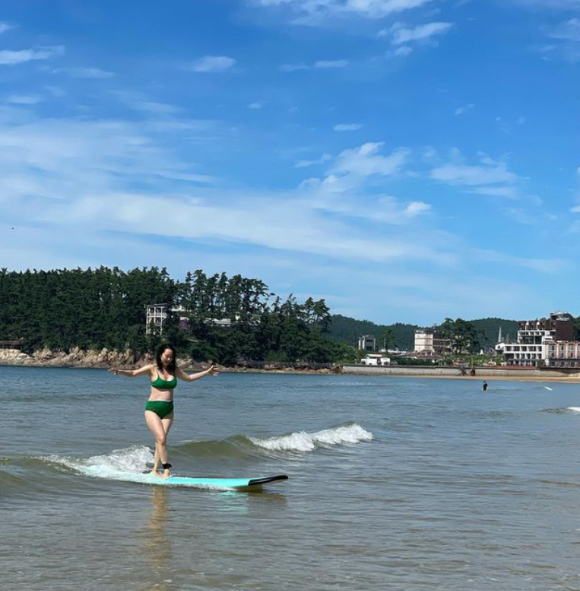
[162, 385]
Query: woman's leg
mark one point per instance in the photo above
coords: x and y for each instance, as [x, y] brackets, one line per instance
[166, 422]
[159, 428]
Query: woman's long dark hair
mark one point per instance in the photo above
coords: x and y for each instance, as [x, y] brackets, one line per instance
[171, 367]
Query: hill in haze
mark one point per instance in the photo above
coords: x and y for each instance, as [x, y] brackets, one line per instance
[347, 330]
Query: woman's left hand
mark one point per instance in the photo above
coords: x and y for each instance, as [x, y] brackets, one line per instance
[213, 371]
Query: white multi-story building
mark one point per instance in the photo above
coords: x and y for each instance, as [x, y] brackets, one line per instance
[429, 341]
[535, 338]
[367, 343]
[157, 314]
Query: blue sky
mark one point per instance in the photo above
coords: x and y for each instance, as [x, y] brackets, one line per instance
[406, 160]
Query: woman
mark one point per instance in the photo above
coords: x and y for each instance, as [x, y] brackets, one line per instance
[159, 408]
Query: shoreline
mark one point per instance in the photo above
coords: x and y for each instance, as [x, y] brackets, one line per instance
[430, 375]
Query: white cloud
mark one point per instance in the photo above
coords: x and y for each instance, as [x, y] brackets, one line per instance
[256, 105]
[402, 35]
[318, 65]
[95, 73]
[464, 109]
[4, 26]
[23, 99]
[293, 67]
[10, 57]
[546, 265]
[82, 174]
[212, 63]
[347, 127]
[403, 51]
[489, 172]
[307, 163]
[365, 161]
[417, 207]
[330, 64]
[510, 192]
[549, 4]
[316, 12]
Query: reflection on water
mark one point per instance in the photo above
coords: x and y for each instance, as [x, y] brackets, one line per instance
[243, 502]
[157, 546]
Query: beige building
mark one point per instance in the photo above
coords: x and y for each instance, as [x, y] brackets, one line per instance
[429, 341]
[563, 354]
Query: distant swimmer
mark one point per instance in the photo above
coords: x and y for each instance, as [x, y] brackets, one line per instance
[159, 408]
[484, 387]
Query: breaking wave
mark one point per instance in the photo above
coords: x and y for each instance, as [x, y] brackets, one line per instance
[303, 441]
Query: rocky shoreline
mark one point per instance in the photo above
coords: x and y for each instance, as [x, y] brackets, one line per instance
[105, 359]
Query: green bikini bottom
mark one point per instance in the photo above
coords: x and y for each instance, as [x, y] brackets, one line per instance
[161, 408]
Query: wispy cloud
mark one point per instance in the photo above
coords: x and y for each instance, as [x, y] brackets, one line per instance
[256, 106]
[347, 127]
[328, 64]
[401, 35]
[317, 65]
[23, 99]
[212, 63]
[80, 72]
[548, 4]
[464, 109]
[307, 163]
[10, 57]
[317, 12]
[4, 26]
[354, 168]
[566, 38]
[487, 172]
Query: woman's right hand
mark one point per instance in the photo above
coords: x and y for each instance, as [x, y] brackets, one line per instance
[114, 371]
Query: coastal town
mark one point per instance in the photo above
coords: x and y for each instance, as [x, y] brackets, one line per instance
[541, 343]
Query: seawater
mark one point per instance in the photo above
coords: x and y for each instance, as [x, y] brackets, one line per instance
[394, 483]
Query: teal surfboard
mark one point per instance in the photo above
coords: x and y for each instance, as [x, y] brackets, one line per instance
[216, 482]
[209, 483]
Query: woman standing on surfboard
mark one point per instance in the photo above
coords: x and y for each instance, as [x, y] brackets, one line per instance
[159, 408]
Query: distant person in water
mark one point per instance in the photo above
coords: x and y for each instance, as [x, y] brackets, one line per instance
[159, 408]
[484, 387]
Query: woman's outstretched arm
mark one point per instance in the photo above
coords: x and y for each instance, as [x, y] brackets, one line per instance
[131, 373]
[211, 371]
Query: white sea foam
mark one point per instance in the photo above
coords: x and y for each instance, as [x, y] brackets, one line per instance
[573, 408]
[127, 465]
[548, 388]
[120, 462]
[303, 441]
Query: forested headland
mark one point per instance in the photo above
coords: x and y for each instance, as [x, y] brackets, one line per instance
[106, 308]
[103, 308]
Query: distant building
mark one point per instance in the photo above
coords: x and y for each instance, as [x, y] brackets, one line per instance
[563, 354]
[428, 340]
[367, 343]
[375, 359]
[535, 338]
[157, 314]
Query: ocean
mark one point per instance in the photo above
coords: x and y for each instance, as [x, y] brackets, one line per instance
[394, 483]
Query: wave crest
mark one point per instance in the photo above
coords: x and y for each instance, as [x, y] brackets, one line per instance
[303, 441]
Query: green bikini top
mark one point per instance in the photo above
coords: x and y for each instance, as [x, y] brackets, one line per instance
[162, 384]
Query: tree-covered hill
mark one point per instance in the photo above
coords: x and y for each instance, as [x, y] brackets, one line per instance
[490, 329]
[347, 330]
[106, 308]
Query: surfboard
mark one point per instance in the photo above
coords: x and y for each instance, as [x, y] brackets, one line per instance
[221, 483]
